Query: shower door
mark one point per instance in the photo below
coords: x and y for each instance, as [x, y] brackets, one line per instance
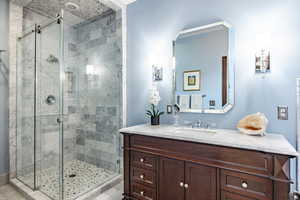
[39, 120]
[49, 108]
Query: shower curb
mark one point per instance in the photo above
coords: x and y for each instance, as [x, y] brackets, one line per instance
[28, 192]
[90, 195]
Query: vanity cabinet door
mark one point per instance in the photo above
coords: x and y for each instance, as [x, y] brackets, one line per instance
[200, 182]
[171, 179]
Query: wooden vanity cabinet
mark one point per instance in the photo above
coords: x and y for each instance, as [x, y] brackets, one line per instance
[165, 169]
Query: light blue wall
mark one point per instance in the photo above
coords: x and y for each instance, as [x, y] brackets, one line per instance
[153, 24]
[202, 52]
[3, 87]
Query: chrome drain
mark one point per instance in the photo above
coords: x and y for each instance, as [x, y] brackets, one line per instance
[72, 175]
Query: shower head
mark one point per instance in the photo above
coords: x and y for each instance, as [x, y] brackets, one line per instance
[71, 6]
[52, 59]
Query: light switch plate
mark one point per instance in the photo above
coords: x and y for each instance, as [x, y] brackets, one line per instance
[282, 113]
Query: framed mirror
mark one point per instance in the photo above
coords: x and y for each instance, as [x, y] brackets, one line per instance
[204, 69]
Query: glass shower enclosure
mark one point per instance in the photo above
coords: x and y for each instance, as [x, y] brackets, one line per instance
[69, 101]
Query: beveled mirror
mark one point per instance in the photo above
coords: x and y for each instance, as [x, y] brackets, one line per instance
[204, 69]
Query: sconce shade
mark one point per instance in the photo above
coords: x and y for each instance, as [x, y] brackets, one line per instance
[262, 61]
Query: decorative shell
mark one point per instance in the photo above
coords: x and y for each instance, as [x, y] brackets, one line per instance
[254, 124]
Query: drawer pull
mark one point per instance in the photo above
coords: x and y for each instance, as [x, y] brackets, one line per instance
[142, 176]
[181, 184]
[142, 160]
[142, 193]
[244, 185]
[186, 186]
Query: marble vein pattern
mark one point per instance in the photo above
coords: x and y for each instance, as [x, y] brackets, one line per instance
[15, 29]
[271, 143]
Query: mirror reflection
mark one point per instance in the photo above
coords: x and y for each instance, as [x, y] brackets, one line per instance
[203, 71]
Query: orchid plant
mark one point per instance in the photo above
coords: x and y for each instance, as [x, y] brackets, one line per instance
[154, 100]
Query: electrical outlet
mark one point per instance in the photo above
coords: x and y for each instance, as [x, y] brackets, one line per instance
[282, 113]
[169, 109]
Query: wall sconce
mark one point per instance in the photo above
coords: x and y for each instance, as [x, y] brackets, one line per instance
[262, 61]
[262, 56]
[157, 73]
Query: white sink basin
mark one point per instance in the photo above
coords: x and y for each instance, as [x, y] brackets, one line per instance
[198, 130]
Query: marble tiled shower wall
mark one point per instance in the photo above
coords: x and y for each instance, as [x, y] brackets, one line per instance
[98, 65]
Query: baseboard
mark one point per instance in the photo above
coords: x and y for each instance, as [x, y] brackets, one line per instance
[3, 179]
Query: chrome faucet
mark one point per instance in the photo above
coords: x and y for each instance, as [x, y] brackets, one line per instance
[176, 116]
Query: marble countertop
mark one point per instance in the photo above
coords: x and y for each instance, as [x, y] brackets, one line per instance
[271, 143]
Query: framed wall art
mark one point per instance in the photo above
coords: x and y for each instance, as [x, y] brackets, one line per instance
[192, 80]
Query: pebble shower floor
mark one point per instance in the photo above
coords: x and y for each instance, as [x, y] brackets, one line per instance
[79, 177]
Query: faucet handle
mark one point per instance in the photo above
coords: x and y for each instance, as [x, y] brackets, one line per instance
[197, 124]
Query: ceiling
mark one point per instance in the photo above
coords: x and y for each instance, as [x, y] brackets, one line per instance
[87, 8]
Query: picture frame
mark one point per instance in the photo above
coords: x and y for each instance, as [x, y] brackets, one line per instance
[192, 80]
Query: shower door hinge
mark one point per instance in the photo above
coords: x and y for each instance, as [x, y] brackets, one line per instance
[38, 29]
[58, 18]
[59, 120]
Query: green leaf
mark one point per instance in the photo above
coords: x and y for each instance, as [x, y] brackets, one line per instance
[148, 112]
[153, 108]
[161, 113]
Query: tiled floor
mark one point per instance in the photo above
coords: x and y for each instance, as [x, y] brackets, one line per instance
[7, 192]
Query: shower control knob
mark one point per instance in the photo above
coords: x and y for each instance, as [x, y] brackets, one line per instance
[50, 100]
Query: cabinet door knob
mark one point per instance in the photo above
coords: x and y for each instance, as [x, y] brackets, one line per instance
[142, 176]
[142, 193]
[186, 185]
[181, 184]
[244, 185]
[142, 160]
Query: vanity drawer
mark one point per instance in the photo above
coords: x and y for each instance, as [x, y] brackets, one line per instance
[142, 192]
[246, 185]
[231, 196]
[252, 162]
[143, 176]
[143, 160]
